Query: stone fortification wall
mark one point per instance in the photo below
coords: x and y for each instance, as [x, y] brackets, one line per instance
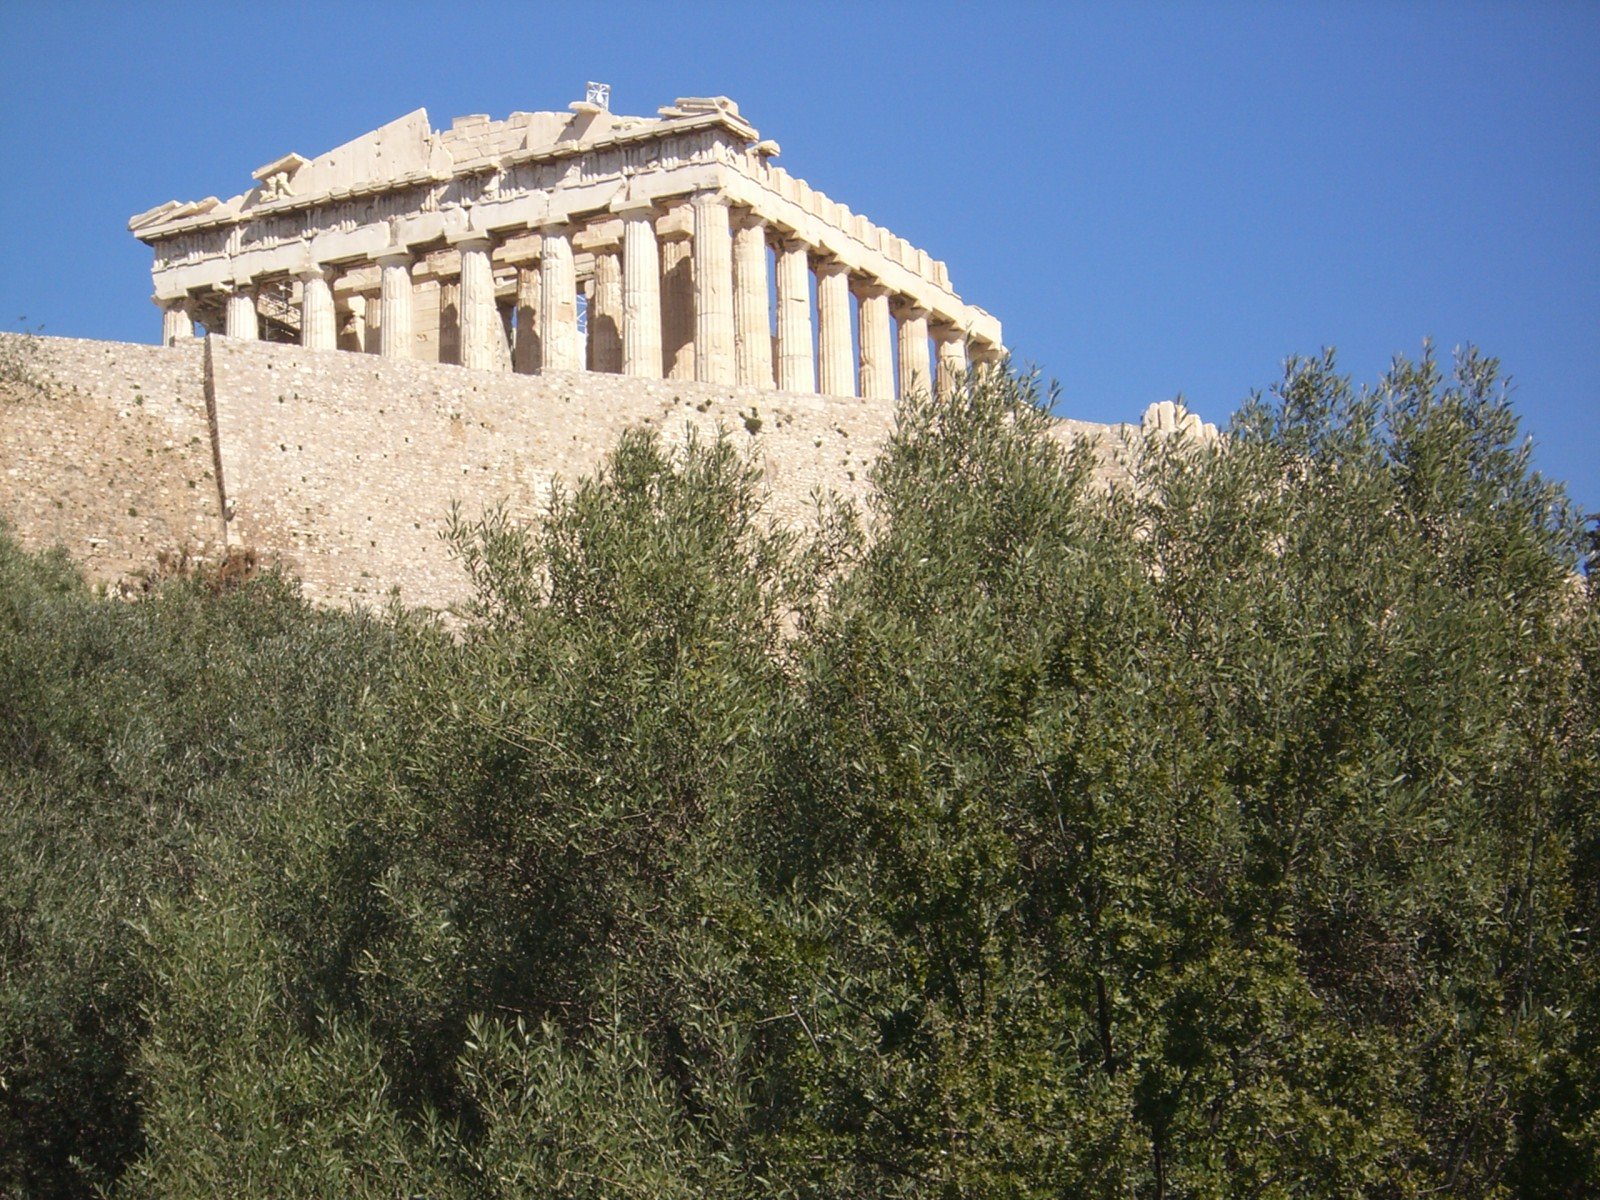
[105, 449]
[343, 467]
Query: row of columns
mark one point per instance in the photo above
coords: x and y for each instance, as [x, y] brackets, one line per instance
[648, 318]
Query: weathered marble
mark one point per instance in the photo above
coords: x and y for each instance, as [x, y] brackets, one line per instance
[558, 301]
[913, 337]
[641, 295]
[176, 323]
[796, 350]
[242, 321]
[318, 330]
[394, 306]
[448, 230]
[752, 334]
[877, 342]
[836, 374]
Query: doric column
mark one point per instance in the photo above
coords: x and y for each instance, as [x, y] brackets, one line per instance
[176, 323]
[605, 312]
[752, 325]
[913, 350]
[318, 329]
[713, 290]
[558, 301]
[877, 342]
[353, 324]
[477, 315]
[641, 295]
[526, 359]
[796, 354]
[394, 305]
[241, 320]
[677, 308]
[985, 354]
[952, 357]
[835, 362]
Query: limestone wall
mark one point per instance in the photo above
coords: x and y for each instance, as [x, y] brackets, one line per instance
[342, 468]
[105, 449]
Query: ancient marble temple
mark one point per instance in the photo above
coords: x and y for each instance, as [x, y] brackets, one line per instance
[660, 247]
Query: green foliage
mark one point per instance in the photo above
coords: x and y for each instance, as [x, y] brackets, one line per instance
[1232, 833]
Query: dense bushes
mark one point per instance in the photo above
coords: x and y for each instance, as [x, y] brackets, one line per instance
[1236, 834]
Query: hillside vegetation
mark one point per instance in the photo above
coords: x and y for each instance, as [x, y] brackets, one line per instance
[1235, 834]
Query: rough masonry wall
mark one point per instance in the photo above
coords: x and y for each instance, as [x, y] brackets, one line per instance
[343, 467]
[105, 450]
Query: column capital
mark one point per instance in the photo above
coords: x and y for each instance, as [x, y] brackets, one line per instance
[469, 239]
[827, 266]
[708, 199]
[398, 257]
[324, 271]
[906, 309]
[865, 287]
[642, 207]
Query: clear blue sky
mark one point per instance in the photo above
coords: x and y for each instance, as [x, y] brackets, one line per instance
[1153, 198]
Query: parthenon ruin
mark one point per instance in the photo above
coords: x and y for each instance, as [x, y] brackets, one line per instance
[578, 240]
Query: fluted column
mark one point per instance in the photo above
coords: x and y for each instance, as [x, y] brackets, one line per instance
[176, 323]
[985, 354]
[605, 313]
[353, 325]
[752, 326]
[394, 306]
[713, 290]
[477, 310]
[913, 351]
[835, 361]
[241, 321]
[558, 301]
[318, 329]
[796, 353]
[877, 342]
[677, 308]
[952, 357]
[526, 359]
[641, 295]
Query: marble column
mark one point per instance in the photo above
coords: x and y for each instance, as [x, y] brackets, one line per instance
[752, 326]
[713, 290]
[241, 321]
[797, 370]
[952, 357]
[558, 301]
[449, 344]
[394, 306]
[913, 351]
[641, 295]
[835, 360]
[677, 308]
[477, 309]
[985, 354]
[605, 313]
[353, 325]
[877, 342]
[526, 359]
[176, 323]
[318, 329]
